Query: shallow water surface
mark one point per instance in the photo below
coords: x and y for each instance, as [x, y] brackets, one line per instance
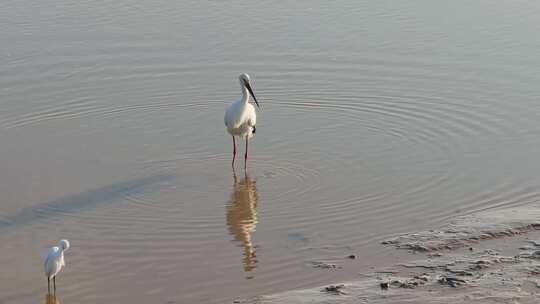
[378, 117]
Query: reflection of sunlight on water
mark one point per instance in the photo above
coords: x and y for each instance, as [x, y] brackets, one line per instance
[242, 217]
[51, 299]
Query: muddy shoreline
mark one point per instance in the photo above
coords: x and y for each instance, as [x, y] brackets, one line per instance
[487, 257]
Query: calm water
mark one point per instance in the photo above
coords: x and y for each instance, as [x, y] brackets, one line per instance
[378, 117]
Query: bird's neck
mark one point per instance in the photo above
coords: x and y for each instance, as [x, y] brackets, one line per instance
[245, 94]
[62, 257]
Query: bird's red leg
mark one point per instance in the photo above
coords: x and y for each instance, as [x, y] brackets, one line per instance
[245, 155]
[233, 151]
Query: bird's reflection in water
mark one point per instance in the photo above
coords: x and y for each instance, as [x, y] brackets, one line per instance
[51, 299]
[242, 217]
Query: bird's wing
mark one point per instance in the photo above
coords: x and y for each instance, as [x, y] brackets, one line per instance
[52, 254]
[229, 115]
[234, 116]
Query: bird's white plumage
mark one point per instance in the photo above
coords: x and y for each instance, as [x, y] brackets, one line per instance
[54, 260]
[240, 116]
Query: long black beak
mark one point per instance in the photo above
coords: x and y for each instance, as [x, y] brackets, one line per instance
[248, 86]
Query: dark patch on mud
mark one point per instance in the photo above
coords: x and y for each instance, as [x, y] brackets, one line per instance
[335, 289]
[324, 265]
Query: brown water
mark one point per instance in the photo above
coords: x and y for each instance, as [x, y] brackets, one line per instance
[378, 117]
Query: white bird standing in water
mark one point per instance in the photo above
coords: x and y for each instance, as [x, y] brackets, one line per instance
[240, 117]
[54, 262]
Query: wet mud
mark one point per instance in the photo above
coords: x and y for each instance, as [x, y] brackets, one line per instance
[486, 257]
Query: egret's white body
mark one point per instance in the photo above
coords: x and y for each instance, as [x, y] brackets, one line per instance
[54, 262]
[240, 116]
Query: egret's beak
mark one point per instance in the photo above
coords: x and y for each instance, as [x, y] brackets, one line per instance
[248, 86]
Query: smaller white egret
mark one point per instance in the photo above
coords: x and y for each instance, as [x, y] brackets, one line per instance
[54, 262]
[241, 118]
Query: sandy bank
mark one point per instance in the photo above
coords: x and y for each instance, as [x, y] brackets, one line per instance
[488, 257]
